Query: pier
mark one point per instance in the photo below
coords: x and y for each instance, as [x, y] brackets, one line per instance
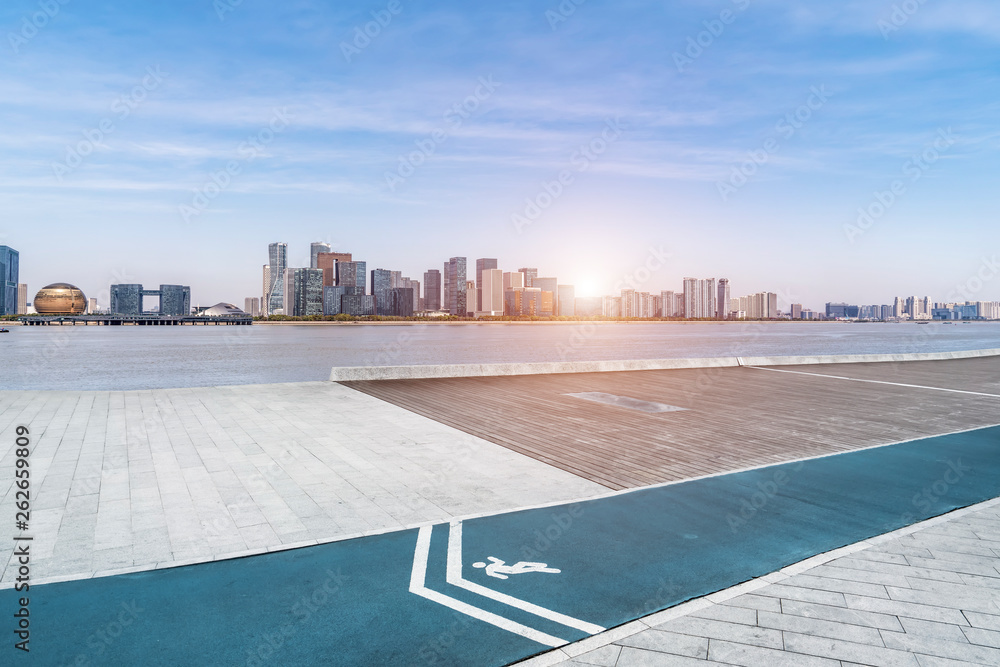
[131, 320]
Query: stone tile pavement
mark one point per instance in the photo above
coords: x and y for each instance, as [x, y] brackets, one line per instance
[924, 596]
[132, 480]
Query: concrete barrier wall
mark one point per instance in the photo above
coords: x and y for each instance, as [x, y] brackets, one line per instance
[355, 373]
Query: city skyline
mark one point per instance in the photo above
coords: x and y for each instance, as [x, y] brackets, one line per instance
[597, 134]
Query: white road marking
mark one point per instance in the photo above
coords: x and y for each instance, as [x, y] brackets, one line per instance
[454, 577]
[896, 384]
[418, 576]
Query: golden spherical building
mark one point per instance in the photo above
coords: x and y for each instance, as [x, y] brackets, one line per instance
[60, 299]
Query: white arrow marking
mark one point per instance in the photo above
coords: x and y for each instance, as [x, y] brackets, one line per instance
[418, 576]
[455, 579]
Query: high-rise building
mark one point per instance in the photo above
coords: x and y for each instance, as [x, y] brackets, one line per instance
[529, 276]
[456, 294]
[399, 302]
[91, 305]
[611, 306]
[699, 298]
[328, 262]
[303, 292]
[484, 264]
[470, 296]
[722, 299]
[512, 280]
[796, 311]
[668, 304]
[175, 300]
[490, 292]
[566, 298]
[314, 250]
[277, 256]
[22, 299]
[432, 290]
[126, 299]
[265, 290]
[251, 306]
[550, 285]
[382, 282]
[9, 275]
[352, 274]
[629, 300]
[359, 305]
[415, 286]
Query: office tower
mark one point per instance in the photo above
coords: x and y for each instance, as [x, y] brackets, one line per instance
[522, 301]
[360, 305]
[699, 298]
[470, 295]
[380, 286]
[529, 276]
[432, 290]
[91, 305]
[251, 306]
[842, 310]
[303, 292]
[277, 255]
[415, 286]
[456, 293]
[513, 280]
[175, 300]
[550, 285]
[22, 299]
[314, 250]
[265, 290]
[490, 292]
[126, 299]
[485, 264]
[796, 311]
[399, 302]
[722, 300]
[327, 261]
[9, 274]
[351, 274]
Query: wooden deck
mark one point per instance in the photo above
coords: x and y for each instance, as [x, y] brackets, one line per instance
[734, 417]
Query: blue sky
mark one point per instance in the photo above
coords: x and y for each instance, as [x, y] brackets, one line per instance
[646, 110]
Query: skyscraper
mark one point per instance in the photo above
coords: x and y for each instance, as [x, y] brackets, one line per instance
[482, 265]
[303, 292]
[550, 285]
[314, 250]
[529, 276]
[432, 290]
[470, 296]
[382, 282]
[490, 292]
[352, 274]
[456, 296]
[328, 262]
[22, 299]
[512, 280]
[251, 305]
[722, 300]
[9, 273]
[277, 254]
[91, 305]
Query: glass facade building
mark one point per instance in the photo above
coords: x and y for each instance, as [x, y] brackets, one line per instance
[277, 260]
[9, 269]
[432, 290]
[358, 304]
[351, 274]
[175, 300]
[126, 299]
[455, 287]
[314, 250]
[382, 282]
[303, 292]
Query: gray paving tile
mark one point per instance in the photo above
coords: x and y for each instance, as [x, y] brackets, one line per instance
[864, 654]
[942, 648]
[755, 656]
[674, 642]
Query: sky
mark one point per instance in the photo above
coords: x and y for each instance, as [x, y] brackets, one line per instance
[825, 151]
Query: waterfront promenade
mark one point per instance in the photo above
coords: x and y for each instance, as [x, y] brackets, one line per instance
[141, 480]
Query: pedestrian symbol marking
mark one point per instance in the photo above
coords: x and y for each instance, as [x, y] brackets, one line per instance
[500, 569]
